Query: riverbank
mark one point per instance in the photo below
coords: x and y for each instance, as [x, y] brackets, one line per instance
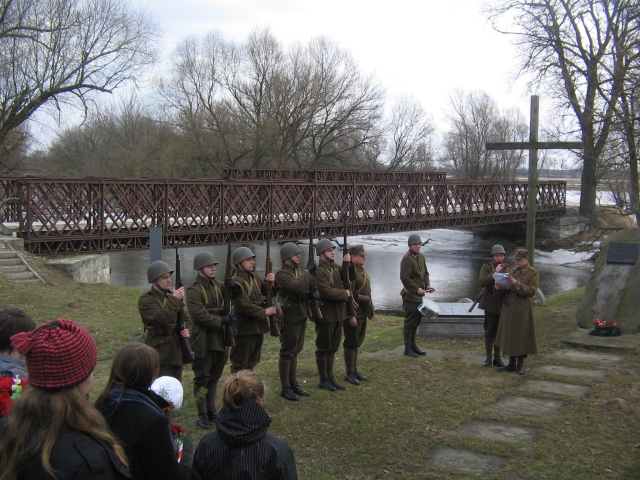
[389, 426]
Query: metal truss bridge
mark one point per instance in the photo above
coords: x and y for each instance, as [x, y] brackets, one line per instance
[58, 215]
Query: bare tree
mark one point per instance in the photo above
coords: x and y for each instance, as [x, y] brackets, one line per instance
[61, 51]
[580, 52]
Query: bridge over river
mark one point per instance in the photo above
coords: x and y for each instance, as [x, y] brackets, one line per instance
[67, 215]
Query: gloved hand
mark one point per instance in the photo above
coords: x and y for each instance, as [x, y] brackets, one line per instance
[227, 319]
[230, 282]
[316, 294]
[311, 266]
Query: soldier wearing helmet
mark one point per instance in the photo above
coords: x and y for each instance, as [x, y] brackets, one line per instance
[415, 279]
[334, 311]
[204, 301]
[160, 308]
[491, 303]
[250, 311]
[293, 296]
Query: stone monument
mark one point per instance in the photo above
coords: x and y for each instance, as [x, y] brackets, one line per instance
[614, 288]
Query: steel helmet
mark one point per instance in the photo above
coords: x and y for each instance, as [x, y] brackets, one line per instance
[203, 259]
[156, 270]
[324, 245]
[497, 249]
[241, 254]
[414, 238]
[288, 250]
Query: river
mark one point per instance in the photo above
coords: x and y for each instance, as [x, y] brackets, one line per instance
[454, 259]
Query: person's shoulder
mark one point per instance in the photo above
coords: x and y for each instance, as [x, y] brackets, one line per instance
[77, 452]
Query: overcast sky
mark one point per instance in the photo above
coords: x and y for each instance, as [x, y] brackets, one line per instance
[424, 48]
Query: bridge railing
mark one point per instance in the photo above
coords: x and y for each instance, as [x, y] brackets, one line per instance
[59, 215]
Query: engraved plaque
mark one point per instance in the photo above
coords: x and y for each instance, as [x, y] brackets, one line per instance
[625, 253]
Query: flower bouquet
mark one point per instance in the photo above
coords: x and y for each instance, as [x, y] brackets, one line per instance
[10, 391]
[605, 328]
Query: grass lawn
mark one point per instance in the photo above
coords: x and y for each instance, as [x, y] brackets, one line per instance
[386, 427]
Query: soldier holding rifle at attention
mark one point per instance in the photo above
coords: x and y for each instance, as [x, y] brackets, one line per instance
[356, 328]
[415, 279]
[250, 311]
[293, 296]
[334, 300]
[205, 301]
[162, 310]
[491, 303]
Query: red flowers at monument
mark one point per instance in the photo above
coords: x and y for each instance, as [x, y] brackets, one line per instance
[10, 390]
[605, 328]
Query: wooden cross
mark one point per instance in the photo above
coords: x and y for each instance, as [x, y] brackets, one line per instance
[533, 145]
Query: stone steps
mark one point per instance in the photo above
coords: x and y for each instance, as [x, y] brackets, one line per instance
[15, 267]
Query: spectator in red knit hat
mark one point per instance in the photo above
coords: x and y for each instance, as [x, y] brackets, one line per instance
[52, 431]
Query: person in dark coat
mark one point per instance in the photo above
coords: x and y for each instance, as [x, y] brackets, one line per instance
[12, 321]
[135, 415]
[53, 411]
[240, 448]
[491, 303]
[517, 330]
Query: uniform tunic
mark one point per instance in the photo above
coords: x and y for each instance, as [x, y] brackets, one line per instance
[208, 334]
[360, 285]
[334, 307]
[293, 297]
[517, 331]
[414, 275]
[491, 301]
[159, 310]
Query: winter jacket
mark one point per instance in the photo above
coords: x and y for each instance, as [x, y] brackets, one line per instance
[242, 449]
[12, 366]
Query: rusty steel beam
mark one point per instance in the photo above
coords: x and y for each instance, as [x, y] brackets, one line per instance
[64, 215]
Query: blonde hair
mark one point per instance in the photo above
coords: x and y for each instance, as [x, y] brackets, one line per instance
[35, 424]
[241, 385]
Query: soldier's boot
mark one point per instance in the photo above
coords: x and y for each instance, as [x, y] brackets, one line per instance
[331, 357]
[359, 375]
[497, 361]
[414, 347]
[201, 406]
[520, 364]
[284, 369]
[293, 378]
[406, 333]
[511, 367]
[488, 347]
[350, 365]
[212, 387]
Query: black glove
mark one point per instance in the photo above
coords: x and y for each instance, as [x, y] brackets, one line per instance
[311, 266]
[230, 282]
[227, 319]
[316, 294]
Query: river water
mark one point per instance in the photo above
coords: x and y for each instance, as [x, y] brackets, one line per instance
[454, 259]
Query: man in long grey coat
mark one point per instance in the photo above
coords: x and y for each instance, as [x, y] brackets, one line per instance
[517, 331]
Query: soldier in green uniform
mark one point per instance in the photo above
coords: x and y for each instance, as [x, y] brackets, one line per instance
[415, 279]
[251, 315]
[293, 298]
[491, 303]
[356, 328]
[161, 310]
[205, 300]
[334, 311]
[516, 334]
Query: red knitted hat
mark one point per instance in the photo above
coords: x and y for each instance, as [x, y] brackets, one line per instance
[58, 354]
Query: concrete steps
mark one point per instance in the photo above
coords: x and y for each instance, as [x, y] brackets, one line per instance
[13, 265]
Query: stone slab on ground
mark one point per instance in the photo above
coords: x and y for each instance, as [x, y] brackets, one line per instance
[463, 460]
[557, 388]
[501, 432]
[511, 406]
[581, 356]
[470, 358]
[432, 353]
[582, 338]
[562, 371]
[454, 320]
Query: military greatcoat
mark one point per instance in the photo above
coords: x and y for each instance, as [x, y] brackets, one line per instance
[517, 331]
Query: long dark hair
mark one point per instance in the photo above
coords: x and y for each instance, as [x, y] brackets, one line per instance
[36, 421]
[135, 366]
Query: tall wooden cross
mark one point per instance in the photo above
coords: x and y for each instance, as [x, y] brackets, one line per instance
[533, 145]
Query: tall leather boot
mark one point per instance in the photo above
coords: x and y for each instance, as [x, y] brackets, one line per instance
[511, 367]
[349, 362]
[321, 362]
[406, 333]
[212, 387]
[520, 364]
[414, 346]
[293, 378]
[359, 375]
[497, 361]
[284, 369]
[201, 406]
[488, 348]
[331, 357]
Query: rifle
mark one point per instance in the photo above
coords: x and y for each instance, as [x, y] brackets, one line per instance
[483, 291]
[188, 356]
[273, 323]
[316, 314]
[229, 341]
[346, 283]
